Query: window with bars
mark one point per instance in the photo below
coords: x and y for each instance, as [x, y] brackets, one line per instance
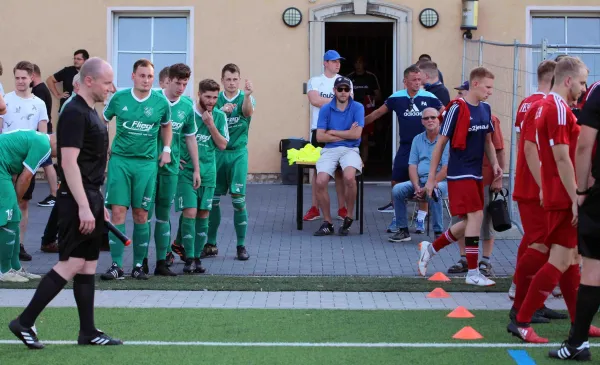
[164, 40]
[568, 30]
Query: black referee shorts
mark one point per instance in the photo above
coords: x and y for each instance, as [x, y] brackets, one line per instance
[589, 225]
[71, 242]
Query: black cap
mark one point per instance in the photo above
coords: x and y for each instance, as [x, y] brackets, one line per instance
[342, 80]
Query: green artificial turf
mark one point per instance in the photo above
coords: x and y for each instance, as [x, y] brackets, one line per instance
[261, 325]
[283, 283]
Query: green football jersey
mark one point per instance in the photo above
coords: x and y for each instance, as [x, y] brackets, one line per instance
[22, 149]
[138, 122]
[206, 149]
[183, 124]
[236, 121]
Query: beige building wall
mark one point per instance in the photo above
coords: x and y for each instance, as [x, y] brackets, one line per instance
[252, 35]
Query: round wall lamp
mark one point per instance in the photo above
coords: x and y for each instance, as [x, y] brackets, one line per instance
[292, 17]
[429, 18]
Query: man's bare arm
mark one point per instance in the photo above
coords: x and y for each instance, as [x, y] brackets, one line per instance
[22, 183]
[533, 161]
[353, 133]
[43, 126]
[414, 176]
[73, 176]
[441, 175]
[490, 150]
[583, 156]
[323, 137]
[436, 155]
[317, 100]
[247, 108]
[381, 111]
[51, 82]
[2, 106]
[565, 169]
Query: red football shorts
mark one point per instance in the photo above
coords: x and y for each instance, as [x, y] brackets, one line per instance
[560, 230]
[465, 196]
[533, 217]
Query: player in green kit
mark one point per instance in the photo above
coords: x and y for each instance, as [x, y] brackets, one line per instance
[232, 163]
[21, 153]
[212, 134]
[141, 114]
[184, 136]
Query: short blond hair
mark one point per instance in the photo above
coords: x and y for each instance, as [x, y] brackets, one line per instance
[568, 66]
[479, 73]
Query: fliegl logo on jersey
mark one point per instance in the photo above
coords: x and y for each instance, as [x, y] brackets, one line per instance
[176, 125]
[414, 112]
[232, 121]
[137, 126]
[202, 138]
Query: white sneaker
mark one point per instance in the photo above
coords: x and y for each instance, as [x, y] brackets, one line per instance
[424, 257]
[557, 293]
[512, 291]
[26, 274]
[11, 276]
[479, 279]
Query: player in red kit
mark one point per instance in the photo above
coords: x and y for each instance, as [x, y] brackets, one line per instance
[467, 127]
[556, 134]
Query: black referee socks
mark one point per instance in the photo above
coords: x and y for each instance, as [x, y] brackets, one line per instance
[49, 287]
[83, 290]
[588, 302]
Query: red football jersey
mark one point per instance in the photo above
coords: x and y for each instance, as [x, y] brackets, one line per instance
[555, 124]
[524, 107]
[526, 189]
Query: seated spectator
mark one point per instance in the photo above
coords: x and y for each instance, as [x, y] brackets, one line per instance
[418, 171]
[339, 126]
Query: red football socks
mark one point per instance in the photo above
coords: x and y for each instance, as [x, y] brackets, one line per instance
[527, 266]
[541, 287]
[443, 240]
[569, 285]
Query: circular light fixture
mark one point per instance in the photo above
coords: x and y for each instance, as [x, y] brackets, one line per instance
[292, 17]
[429, 18]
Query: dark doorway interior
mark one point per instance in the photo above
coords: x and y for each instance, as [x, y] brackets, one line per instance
[374, 41]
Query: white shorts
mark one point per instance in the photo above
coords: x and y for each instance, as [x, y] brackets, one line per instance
[333, 157]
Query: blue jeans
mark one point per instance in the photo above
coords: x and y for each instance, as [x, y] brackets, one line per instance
[404, 191]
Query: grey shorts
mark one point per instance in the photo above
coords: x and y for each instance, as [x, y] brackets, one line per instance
[487, 230]
[333, 157]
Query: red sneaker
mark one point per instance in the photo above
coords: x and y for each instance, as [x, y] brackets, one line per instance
[594, 331]
[526, 334]
[342, 213]
[312, 214]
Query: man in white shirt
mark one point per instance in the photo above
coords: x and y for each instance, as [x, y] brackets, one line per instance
[320, 92]
[24, 111]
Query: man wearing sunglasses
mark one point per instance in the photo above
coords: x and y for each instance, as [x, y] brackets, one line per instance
[339, 126]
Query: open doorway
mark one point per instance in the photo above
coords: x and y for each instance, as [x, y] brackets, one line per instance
[374, 41]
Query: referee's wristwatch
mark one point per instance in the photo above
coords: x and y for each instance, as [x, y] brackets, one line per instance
[167, 149]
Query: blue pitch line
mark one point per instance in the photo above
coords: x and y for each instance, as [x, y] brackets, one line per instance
[521, 357]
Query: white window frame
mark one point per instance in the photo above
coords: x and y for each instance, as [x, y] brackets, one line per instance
[549, 11]
[113, 14]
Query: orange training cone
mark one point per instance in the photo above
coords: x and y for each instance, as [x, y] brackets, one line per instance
[460, 312]
[439, 276]
[467, 333]
[438, 293]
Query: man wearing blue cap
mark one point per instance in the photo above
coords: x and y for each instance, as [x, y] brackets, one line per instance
[320, 93]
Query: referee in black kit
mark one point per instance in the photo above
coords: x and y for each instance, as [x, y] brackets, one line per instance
[577, 346]
[82, 143]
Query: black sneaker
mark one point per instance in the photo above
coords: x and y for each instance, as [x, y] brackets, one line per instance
[23, 255]
[113, 272]
[48, 202]
[145, 267]
[209, 250]
[188, 267]
[242, 254]
[162, 269]
[345, 228]
[388, 208]
[551, 314]
[98, 339]
[568, 352]
[326, 229]
[401, 236]
[170, 259]
[199, 269]
[179, 250]
[536, 319]
[138, 273]
[28, 335]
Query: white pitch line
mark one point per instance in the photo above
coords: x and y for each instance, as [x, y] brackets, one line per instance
[313, 344]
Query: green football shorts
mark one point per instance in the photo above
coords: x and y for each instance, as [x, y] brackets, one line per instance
[187, 197]
[232, 171]
[131, 182]
[166, 188]
[9, 207]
